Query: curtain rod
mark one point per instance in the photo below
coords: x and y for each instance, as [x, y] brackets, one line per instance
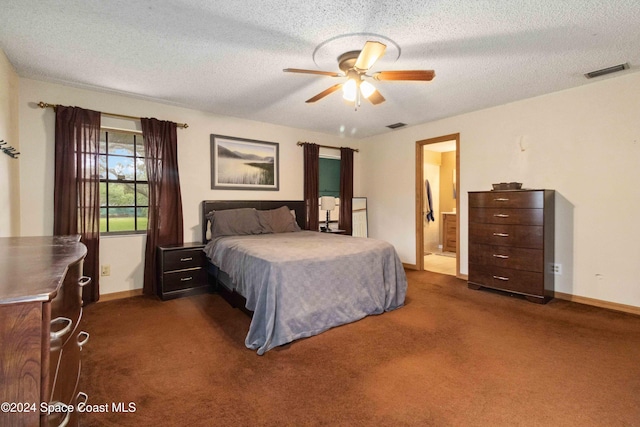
[121, 116]
[300, 143]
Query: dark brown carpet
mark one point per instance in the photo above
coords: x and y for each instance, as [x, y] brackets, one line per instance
[450, 357]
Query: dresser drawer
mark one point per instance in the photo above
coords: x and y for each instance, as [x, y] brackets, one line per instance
[67, 304]
[507, 257]
[184, 279]
[183, 259]
[507, 216]
[507, 199]
[518, 281]
[524, 236]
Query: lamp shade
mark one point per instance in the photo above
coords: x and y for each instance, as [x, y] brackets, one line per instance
[327, 203]
[349, 90]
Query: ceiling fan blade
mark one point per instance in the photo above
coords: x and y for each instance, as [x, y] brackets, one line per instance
[376, 98]
[371, 52]
[324, 93]
[321, 73]
[418, 75]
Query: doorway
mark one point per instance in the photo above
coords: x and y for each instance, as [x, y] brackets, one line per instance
[437, 190]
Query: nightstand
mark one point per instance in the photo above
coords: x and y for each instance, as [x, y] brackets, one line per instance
[333, 231]
[181, 270]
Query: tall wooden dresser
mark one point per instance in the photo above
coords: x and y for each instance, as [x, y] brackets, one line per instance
[511, 242]
[40, 334]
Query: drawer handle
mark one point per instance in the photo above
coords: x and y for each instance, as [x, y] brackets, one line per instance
[82, 395]
[186, 259]
[84, 340]
[505, 279]
[501, 234]
[501, 215]
[501, 256]
[501, 199]
[67, 416]
[58, 334]
[84, 281]
[186, 279]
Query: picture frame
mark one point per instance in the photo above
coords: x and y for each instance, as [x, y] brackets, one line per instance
[244, 164]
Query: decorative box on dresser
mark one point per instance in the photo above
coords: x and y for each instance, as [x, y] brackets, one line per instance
[181, 270]
[40, 334]
[511, 242]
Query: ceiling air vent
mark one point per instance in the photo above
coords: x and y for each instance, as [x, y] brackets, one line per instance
[396, 125]
[608, 70]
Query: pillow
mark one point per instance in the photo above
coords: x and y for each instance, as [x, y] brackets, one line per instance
[277, 221]
[235, 222]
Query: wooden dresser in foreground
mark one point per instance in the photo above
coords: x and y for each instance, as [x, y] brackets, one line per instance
[511, 242]
[40, 335]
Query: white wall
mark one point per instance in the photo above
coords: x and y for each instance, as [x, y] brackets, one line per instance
[125, 254]
[9, 167]
[583, 142]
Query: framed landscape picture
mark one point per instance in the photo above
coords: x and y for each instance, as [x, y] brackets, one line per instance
[244, 164]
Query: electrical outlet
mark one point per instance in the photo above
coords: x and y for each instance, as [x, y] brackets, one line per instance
[105, 270]
[555, 268]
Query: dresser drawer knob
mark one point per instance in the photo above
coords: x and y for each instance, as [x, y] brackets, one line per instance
[186, 279]
[83, 337]
[501, 199]
[58, 334]
[504, 279]
[84, 281]
[501, 234]
[501, 215]
[501, 256]
[186, 259]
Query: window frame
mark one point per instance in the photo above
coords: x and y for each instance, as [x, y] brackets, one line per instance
[137, 135]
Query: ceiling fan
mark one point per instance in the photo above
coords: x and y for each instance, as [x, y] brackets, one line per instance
[355, 65]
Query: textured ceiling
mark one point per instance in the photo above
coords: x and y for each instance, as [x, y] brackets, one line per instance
[227, 57]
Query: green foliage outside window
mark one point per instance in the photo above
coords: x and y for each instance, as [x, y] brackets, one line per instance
[124, 191]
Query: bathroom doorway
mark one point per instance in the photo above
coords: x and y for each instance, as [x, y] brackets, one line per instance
[437, 188]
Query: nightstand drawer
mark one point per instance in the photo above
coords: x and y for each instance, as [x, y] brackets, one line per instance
[184, 258]
[184, 279]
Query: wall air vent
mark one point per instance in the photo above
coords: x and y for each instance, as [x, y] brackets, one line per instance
[396, 125]
[608, 70]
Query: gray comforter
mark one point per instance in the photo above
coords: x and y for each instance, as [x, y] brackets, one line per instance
[301, 284]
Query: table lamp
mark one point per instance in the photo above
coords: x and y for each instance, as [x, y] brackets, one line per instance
[327, 203]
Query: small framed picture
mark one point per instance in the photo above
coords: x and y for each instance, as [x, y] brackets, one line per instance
[244, 164]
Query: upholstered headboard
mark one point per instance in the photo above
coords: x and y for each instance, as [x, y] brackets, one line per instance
[217, 205]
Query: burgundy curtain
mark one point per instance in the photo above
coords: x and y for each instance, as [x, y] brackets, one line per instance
[165, 202]
[346, 190]
[311, 184]
[76, 197]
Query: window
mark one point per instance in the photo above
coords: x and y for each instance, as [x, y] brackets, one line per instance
[329, 177]
[124, 191]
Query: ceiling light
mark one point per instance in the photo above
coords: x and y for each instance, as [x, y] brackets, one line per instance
[367, 89]
[349, 90]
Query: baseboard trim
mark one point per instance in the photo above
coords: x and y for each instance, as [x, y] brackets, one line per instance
[120, 295]
[598, 303]
[409, 266]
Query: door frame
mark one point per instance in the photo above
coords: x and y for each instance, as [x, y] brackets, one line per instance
[420, 199]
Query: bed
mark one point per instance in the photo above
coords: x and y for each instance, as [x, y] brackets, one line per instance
[296, 283]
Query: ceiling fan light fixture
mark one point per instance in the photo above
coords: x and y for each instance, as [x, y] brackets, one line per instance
[367, 89]
[349, 90]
